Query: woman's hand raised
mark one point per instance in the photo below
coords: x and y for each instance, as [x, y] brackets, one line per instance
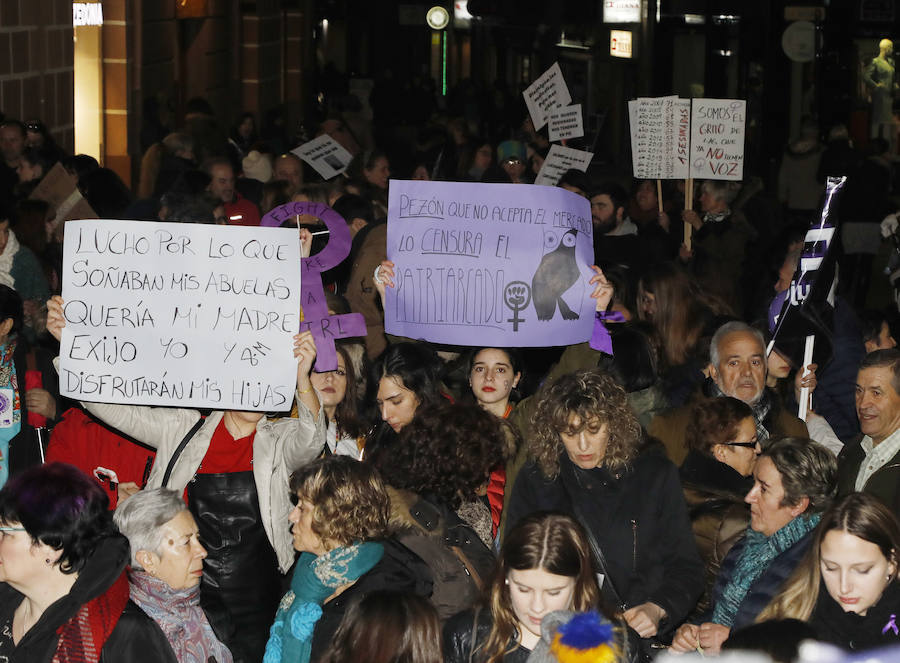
[55, 318]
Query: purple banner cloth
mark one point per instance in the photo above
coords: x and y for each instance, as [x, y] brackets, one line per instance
[489, 264]
[600, 338]
[325, 328]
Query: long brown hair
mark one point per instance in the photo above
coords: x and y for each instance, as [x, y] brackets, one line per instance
[387, 627]
[859, 514]
[682, 310]
[553, 543]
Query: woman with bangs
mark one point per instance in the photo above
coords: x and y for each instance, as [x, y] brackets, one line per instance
[586, 459]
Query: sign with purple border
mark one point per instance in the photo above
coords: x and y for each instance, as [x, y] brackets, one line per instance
[326, 329]
[489, 264]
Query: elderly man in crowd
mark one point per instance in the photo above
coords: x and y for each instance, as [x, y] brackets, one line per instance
[737, 368]
[871, 462]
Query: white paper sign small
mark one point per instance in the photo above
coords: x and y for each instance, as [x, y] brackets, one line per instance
[327, 156]
[186, 315]
[717, 138]
[549, 91]
[566, 122]
[559, 160]
[660, 137]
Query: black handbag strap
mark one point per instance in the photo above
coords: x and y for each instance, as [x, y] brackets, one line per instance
[181, 445]
[609, 587]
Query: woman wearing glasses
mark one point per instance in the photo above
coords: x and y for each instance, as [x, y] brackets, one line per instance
[716, 475]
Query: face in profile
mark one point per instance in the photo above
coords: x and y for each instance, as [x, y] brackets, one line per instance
[305, 539]
[854, 570]
[768, 513]
[735, 453]
[179, 561]
[534, 593]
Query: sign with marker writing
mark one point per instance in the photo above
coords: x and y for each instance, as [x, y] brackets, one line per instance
[566, 122]
[559, 160]
[546, 93]
[187, 315]
[660, 137]
[717, 138]
[489, 264]
[327, 156]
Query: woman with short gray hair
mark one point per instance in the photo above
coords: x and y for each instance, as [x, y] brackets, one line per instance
[166, 567]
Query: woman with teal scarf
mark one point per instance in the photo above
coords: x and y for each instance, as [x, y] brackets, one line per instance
[340, 527]
[794, 481]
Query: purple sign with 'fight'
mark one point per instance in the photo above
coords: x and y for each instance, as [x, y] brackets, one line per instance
[489, 264]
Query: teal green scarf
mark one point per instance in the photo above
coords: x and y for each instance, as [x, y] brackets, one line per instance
[315, 579]
[759, 551]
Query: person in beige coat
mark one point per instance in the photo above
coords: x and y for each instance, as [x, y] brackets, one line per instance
[234, 469]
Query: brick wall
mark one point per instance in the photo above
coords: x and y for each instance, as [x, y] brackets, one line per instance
[36, 74]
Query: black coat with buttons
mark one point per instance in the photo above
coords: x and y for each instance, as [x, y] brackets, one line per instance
[640, 521]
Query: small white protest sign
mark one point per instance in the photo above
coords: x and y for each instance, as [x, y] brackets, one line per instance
[660, 129]
[565, 122]
[559, 160]
[717, 138]
[546, 93]
[327, 156]
[186, 315]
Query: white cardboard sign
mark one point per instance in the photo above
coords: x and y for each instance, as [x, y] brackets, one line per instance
[660, 135]
[327, 156]
[717, 138]
[559, 160]
[546, 93]
[565, 122]
[180, 314]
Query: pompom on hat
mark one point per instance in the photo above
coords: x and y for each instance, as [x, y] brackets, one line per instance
[584, 637]
[257, 166]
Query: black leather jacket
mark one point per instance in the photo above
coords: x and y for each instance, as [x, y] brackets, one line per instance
[464, 635]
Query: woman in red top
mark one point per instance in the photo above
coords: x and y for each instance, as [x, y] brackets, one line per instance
[234, 468]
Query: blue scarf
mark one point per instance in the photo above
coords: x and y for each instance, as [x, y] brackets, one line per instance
[315, 579]
[759, 551]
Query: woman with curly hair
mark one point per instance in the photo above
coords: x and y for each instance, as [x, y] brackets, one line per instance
[340, 527]
[544, 565]
[437, 478]
[584, 459]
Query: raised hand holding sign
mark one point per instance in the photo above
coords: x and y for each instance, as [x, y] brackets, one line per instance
[325, 328]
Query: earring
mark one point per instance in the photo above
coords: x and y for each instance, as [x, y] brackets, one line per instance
[506, 582]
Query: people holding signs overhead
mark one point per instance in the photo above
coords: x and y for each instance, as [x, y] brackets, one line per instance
[234, 468]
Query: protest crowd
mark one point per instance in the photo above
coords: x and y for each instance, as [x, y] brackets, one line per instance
[679, 481]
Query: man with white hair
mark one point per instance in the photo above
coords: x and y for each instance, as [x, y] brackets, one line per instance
[737, 368]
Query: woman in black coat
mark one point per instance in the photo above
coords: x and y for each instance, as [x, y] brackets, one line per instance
[62, 566]
[585, 461]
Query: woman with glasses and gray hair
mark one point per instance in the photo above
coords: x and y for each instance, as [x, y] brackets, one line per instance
[166, 568]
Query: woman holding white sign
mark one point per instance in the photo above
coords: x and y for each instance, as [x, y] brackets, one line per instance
[234, 468]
